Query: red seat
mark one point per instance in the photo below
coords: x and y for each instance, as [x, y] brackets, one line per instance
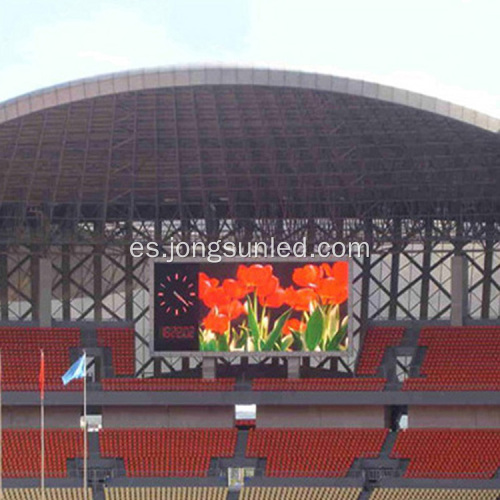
[313, 452]
[377, 340]
[168, 384]
[167, 452]
[458, 359]
[449, 453]
[121, 341]
[319, 384]
[21, 357]
[22, 451]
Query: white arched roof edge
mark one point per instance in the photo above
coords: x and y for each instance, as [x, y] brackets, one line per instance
[178, 77]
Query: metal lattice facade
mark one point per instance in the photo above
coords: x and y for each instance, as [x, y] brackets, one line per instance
[412, 285]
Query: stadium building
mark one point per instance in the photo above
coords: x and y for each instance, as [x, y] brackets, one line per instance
[405, 405]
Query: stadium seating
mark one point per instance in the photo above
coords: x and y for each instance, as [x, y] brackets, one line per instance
[122, 344]
[168, 384]
[377, 340]
[49, 493]
[459, 359]
[21, 349]
[319, 384]
[433, 494]
[449, 453]
[299, 493]
[313, 452]
[22, 455]
[167, 452]
[172, 493]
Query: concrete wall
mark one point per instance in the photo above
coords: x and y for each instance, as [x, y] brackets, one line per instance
[321, 416]
[28, 417]
[454, 416]
[168, 416]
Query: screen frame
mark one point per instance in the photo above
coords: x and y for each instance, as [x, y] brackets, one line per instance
[253, 354]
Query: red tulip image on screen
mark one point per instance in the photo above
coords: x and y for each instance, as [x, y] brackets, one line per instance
[255, 311]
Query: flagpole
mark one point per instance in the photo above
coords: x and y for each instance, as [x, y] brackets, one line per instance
[76, 371]
[85, 444]
[42, 423]
[1, 429]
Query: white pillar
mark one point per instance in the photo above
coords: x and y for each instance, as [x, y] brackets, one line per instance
[459, 287]
[293, 367]
[45, 293]
[208, 367]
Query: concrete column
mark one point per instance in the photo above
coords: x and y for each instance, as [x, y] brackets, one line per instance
[293, 367]
[459, 298]
[208, 367]
[45, 293]
[4, 284]
[157, 367]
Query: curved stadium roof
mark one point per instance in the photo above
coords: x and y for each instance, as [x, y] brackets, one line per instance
[244, 143]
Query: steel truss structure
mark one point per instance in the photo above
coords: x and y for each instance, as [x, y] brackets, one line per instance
[87, 169]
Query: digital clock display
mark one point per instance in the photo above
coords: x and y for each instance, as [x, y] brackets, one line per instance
[176, 307]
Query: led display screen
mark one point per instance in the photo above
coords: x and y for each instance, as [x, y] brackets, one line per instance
[232, 307]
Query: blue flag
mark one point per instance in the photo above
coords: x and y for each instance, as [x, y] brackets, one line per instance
[77, 370]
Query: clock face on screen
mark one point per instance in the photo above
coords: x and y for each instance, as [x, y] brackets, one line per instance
[176, 294]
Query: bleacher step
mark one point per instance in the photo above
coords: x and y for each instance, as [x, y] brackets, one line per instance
[88, 336]
[388, 444]
[410, 336]
[365, 495]
[416, 363]
[98, 494]
[93, 445]
[241, 443]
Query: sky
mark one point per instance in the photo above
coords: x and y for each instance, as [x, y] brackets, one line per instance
[444, 48]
